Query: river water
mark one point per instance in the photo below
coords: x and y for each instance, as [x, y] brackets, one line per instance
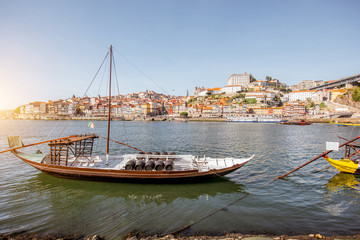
[315, 199]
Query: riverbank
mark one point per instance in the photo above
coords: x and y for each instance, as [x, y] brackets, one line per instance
[307, 118]
[233, 236]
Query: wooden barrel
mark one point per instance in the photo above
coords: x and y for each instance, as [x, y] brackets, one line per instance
[159, 165]
[169, 165]
[149, 165]
[164, 153]
[140, 156]
[156, 153]
[139, 165]
[130, 165]
[172, 155]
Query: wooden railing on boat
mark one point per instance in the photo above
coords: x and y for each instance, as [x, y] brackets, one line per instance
[61, 151]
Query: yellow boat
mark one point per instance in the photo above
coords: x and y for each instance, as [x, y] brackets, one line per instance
[344, 165]
[346, 124]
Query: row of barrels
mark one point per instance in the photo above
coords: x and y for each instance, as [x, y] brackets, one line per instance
[165, 155]
[149, 165]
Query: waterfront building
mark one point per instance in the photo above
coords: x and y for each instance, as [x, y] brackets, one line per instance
[301, 95]
[294, 109]
[239, 79]
[29, 109]
[39, 107]
[260, 96]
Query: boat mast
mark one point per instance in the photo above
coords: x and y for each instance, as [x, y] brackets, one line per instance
[109, 116]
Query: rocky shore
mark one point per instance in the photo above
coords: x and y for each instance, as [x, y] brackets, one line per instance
[233, 236]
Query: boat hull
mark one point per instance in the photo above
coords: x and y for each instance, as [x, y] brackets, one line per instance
[345, 165]
[295, 123]
[111, 175]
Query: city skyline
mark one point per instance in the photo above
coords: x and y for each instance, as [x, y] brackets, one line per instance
[51, 50]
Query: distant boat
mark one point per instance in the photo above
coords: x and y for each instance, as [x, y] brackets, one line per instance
[72, 157]
[347, 124]
[254, 118]
[295, 122]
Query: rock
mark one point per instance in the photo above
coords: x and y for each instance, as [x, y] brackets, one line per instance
[319, 236]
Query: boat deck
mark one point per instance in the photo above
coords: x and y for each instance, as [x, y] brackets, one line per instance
[118, 162]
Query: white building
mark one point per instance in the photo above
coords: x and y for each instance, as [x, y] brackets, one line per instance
[29, 109]
[239, 79]
[302, 95]
[231, 89]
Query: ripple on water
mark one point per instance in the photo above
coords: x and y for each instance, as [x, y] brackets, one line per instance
[33, 201]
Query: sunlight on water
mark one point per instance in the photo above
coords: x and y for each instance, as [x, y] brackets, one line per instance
[33, 201]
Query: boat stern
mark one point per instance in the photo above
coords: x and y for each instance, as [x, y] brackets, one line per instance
[15, 141]
[344, 165]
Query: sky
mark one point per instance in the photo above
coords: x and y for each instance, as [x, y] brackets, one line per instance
[51, 50]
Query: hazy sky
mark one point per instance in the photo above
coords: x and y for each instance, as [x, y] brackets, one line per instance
[52, 49]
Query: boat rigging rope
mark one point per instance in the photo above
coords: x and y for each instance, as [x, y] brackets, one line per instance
[96, 74]
[68, 121]
[127, 145]
[116, 78]
[118, 89]
[102, 79]
[143, 73]
[175, 232]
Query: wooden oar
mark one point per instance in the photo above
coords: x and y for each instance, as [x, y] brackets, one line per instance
[33, 144]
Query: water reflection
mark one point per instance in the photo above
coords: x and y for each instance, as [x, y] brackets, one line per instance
[148, 193]
[342, 181]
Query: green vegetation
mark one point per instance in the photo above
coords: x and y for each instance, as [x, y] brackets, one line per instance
[184, 114]
[241, 95]
[312, 104]
[17, 110]
[252, 79]
[322, 105]
[356, 94]
[277, 98]
[268, 78]
[250, 100]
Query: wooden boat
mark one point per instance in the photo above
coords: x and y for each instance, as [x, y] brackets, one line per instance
[345, 165]
[297, 122]
[351, 161]
[72, 157]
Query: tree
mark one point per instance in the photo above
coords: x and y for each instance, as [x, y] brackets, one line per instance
[312, 104]
[250, 100]
[268, 78]
[322, 105]
[240, 95]
[184, 114]
[356, 95]
[252, 79]
[17, 110]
